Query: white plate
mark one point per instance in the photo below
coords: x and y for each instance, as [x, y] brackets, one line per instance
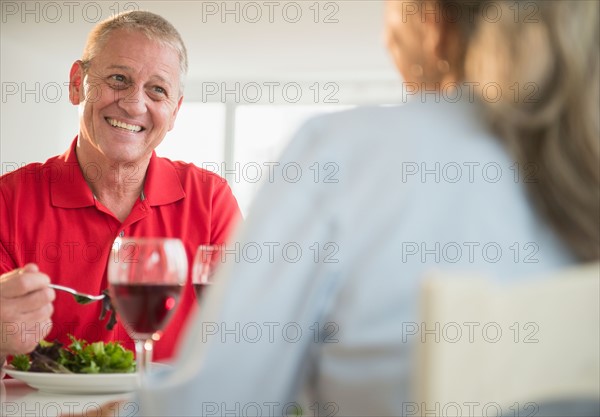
[76, 383]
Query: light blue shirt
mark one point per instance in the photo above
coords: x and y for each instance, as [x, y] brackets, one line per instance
[322, 311]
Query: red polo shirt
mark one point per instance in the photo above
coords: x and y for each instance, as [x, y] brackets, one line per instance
[49, 216]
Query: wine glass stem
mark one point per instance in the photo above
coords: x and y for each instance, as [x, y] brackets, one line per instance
[148, 347]
[143, 356]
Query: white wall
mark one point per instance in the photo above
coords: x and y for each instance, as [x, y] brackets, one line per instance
[40, 40]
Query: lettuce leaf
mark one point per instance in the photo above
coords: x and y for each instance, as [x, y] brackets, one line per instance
[79, 357]
[21, 362]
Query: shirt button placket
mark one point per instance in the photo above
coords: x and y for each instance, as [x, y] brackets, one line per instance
[122, 233]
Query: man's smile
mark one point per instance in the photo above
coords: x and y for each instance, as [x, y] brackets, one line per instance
[125, 126]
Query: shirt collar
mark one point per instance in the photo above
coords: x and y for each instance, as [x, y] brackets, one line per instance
[68, 188]
[162, 185]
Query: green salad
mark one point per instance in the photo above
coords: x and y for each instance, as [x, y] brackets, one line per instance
[80, 357]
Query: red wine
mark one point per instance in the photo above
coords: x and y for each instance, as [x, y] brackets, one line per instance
[145, 308]
[199, 289]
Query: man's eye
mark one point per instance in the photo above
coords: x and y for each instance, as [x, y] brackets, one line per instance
[118, 80]
[158, 93]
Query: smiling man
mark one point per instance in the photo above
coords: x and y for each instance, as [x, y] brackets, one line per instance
[128, 100]
[60, 218]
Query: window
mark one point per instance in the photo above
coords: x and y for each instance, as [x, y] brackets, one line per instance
[261, 134]
[239, 140]
[198, 135]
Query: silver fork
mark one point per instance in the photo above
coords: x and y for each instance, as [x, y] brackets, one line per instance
[81, 298]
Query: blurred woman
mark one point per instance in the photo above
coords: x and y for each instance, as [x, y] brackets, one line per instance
[493, 166]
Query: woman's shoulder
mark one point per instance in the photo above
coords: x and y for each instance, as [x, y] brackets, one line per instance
[407, 131]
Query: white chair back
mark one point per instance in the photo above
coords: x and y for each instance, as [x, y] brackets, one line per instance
[487, 349]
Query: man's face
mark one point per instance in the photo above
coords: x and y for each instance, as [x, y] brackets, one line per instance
[128, 98]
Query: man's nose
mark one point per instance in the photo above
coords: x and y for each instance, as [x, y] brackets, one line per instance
[133, 100]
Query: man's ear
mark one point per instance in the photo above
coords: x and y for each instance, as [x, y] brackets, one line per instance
[175, 111]
[75, 83]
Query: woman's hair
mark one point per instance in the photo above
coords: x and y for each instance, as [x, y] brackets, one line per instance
[153, 26]
[545, 57]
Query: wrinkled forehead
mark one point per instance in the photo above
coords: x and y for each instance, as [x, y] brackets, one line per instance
[116, 36]
[134, 51]
[132, 43]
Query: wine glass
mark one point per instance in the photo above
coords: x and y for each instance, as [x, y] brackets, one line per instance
[146, 277]
[206, 262]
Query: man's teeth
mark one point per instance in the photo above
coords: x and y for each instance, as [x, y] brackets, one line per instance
[131, 128]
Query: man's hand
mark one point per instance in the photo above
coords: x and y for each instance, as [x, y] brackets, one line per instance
[25, 310]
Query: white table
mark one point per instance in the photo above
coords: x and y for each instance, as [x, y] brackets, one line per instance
[17, 399]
